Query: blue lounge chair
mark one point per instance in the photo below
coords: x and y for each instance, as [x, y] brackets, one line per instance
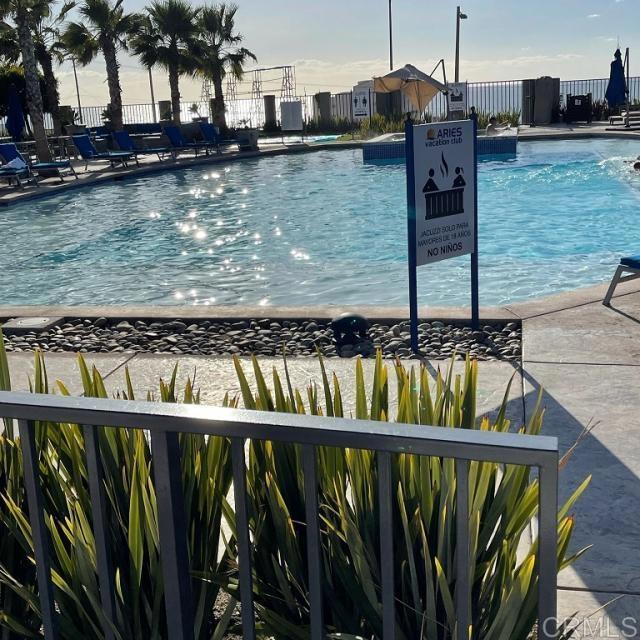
[88, 152]
[178, 143]
[9, 151]
[629, 266]
[125, 143]
[19, 175]
[211, 135]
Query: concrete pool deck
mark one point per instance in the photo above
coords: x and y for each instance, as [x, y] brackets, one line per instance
[104, 174]
[585, 356]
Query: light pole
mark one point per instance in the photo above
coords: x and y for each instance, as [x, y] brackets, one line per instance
[390, 39]
[153, 97]
[75, 76]
[459, 16]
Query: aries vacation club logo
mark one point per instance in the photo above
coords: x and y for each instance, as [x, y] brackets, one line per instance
[443, 136]
[444, 195]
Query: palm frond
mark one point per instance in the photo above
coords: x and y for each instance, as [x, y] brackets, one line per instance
[80, 42]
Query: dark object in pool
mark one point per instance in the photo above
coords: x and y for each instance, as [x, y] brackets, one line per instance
[350, 329]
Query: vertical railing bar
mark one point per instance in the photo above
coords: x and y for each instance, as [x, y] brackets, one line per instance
[27, 430]
[463, 578]
[99, 515]
[172, 529]
[547, 551]
[385, 492]
[310, 468]
[244, 543]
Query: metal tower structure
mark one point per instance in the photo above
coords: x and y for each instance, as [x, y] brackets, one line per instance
[274, 80]
[257, 104]
[231, 100]
[288, 91]
[205, 92]
[285, 75]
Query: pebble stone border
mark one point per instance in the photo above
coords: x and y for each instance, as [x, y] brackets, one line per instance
[268, 337]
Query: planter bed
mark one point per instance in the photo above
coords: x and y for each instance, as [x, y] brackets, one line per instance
[495, 340]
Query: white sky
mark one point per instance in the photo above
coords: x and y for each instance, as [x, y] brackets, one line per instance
[335, 43]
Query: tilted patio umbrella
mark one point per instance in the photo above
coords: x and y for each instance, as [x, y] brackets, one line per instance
[616, 94]
[15, 117]
[419, 87]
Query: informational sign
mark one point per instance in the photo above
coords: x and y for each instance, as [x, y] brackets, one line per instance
[291, 116]
[362, 98]
[444, 170]
[457, 96]
[441, 163]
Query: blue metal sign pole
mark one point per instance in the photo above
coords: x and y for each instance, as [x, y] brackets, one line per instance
[411, 233]
[475, 303]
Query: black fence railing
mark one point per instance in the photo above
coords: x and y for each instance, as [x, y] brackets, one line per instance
[164, 422]
[487, 97]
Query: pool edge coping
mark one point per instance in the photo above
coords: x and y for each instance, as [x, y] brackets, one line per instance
[533, 308]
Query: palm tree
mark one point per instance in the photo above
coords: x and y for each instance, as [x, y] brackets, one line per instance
[105, 29]
[9, 47]
[24, 14]
[219, 53]
[167, 38]
[50, 49]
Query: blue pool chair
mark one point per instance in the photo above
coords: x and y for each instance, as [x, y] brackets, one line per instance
[628, 269]
[9, 151]
[211, 135]
[11, 174]
[178, 143]
[125, 143]
[88, 152]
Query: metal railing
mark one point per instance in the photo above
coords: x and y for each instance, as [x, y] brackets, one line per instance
[165, 421]
[487, 97]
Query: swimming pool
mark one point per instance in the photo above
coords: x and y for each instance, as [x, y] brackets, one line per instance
[320, 228]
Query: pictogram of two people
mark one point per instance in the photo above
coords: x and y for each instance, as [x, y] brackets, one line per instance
[458, 182]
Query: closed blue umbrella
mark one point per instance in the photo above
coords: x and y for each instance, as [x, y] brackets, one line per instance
[616, 94]
[15, 117]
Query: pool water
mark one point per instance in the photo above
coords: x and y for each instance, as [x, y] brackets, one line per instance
[321, 228]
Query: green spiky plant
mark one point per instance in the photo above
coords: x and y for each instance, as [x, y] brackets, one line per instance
[503, 505]
[133, 530]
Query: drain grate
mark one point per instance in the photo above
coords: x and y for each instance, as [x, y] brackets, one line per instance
[30, 324]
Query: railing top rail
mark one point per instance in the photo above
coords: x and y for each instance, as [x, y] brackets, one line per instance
[509, 448]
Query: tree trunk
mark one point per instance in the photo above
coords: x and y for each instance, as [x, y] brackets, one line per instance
[32, 85]
[113, 81]
[174, 80]
[51, 89]
[219, 117]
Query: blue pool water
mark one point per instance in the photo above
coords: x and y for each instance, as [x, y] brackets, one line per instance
[320, 228]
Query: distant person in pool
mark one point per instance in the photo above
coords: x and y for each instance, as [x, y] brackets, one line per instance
[495, 129]
[636, 163]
